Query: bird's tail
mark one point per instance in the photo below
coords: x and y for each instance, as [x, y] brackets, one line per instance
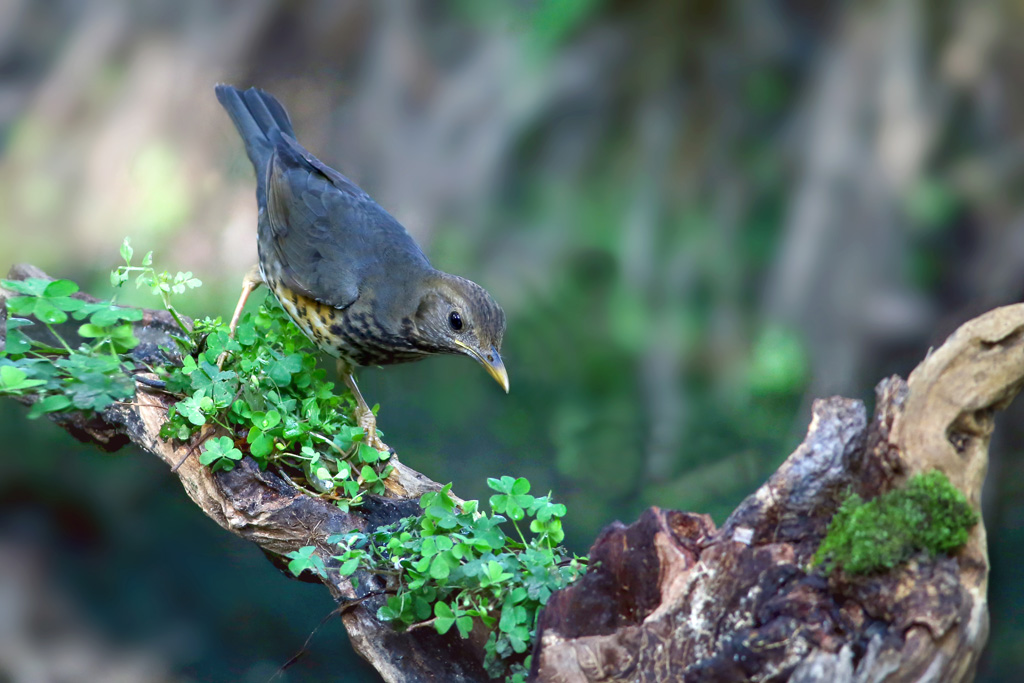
[256, 115]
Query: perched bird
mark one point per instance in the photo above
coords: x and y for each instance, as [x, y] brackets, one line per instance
[345, 270]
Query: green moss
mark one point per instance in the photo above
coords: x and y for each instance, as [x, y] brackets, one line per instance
[930, 514]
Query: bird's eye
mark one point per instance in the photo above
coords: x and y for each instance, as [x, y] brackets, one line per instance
[455, 320]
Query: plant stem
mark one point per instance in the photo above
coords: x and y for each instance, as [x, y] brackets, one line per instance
[521, 537]
[59, 338]
[177, 319]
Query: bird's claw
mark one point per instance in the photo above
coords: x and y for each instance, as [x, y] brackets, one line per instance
[368, 421]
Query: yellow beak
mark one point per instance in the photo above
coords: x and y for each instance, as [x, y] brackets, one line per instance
[491, 362]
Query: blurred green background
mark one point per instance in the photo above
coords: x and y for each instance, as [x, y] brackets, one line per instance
[698, 215]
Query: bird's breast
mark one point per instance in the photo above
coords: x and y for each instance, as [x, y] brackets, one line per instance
[353, 333]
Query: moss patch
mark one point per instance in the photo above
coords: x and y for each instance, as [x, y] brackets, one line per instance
[929, 514]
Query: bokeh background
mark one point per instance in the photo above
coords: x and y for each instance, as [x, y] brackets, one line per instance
[699, 216]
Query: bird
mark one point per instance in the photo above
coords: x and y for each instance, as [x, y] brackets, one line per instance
[346, 272]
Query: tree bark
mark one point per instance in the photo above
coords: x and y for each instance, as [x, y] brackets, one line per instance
[671, 597]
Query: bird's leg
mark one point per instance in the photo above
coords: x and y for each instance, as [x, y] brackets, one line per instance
[251, 281]
[364, 415]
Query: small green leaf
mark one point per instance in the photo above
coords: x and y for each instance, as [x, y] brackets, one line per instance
[188, 365]
[280, 372]
[421, 608]
[60, 288]
[444, 617]
[306, 559]
[260, 444]
[503, 485]
[368, 475]
[31, 286]
[48, 313]
[267, 421]
[520, 639]
[14, 380]
[21, 305]
[368, 454]
[220, 453]
[510, 617]
[465, 625]
[440, 566]
[127, 251]
[105, 315]
[241, 409]
[16, 342]
[50, 404]
[193, 408]
[246, 334]
[442, 516]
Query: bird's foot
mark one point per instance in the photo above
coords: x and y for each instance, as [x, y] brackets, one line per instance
[368, 421]
[363, 413]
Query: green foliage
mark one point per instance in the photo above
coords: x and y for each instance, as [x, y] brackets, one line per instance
[306, 559]
[456, 568]
[89, 368]
[262, 387]
[220, 454]
[14, 380]
[929, 515]
[91, 375]
[160, 284]
[269, 392]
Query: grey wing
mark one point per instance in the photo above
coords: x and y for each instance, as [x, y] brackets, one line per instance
[328, 235]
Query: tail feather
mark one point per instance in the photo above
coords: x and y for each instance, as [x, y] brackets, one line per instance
[256, 114]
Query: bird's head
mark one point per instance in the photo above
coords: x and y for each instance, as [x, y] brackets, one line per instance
[456, 315]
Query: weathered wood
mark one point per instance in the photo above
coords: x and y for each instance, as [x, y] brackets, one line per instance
[674, 598]
[671, 597]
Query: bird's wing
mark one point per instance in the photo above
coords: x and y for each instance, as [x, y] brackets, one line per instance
[329, 236]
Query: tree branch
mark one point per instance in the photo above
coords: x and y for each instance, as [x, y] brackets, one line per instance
[261, 507]
[672, 597]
